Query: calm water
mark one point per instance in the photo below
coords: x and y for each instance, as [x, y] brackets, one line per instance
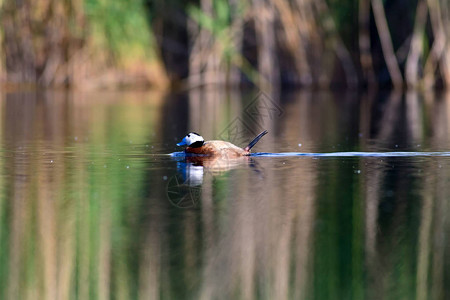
[93, 207]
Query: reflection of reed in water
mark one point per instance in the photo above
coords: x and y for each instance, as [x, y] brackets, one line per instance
[263, 236]
[389, 245]
[70, 228]
[265, 223]
[435, 205]
[66, 201]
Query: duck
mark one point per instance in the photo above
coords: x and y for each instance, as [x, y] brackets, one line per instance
[196, 145]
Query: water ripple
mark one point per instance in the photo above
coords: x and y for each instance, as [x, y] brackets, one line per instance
[352, 154]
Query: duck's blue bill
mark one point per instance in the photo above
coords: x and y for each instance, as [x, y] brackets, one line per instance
[182, 143]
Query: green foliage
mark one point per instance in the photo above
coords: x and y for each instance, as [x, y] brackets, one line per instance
[121, 27]
[220, 24]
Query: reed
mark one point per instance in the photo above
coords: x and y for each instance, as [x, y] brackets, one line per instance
[311, 43]
[226, 42]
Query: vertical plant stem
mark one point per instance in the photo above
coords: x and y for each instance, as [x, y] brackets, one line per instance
[416, 48]
[386, 43]
[234, 75]
[194, 61]
[365, 55]
[295, 44]
[445, 59]
[265, 35]
[438, 44]
[339, 47]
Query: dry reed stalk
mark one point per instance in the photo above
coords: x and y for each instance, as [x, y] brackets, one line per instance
[440, 46]
[445, 60]
[337, 44]
[268, 65]
[386, 43]
[237, 36]
[207, 64]
[312, 35]
[294, 42]
[416, 47]
[365, 55]
[195, 61]
[18, 42]
[40, 38]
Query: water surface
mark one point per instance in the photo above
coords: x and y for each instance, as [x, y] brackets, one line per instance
[346, 198]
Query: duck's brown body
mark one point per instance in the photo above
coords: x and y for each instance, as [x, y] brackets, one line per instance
[215, 148]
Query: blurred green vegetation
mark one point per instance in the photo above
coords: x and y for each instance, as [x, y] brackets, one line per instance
[69, 229]
[122, 27]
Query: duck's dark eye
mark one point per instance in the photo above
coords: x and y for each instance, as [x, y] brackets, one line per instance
[189, 135]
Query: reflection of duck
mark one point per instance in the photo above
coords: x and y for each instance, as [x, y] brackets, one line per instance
[197, 145]
[192, 175]
[217, 164]
[194, 168]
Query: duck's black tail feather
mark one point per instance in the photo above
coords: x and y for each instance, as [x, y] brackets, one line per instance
[255, 140]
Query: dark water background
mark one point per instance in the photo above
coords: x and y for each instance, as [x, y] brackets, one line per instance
[91, 207]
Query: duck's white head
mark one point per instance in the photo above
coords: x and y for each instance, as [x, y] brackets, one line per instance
[192, 140]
